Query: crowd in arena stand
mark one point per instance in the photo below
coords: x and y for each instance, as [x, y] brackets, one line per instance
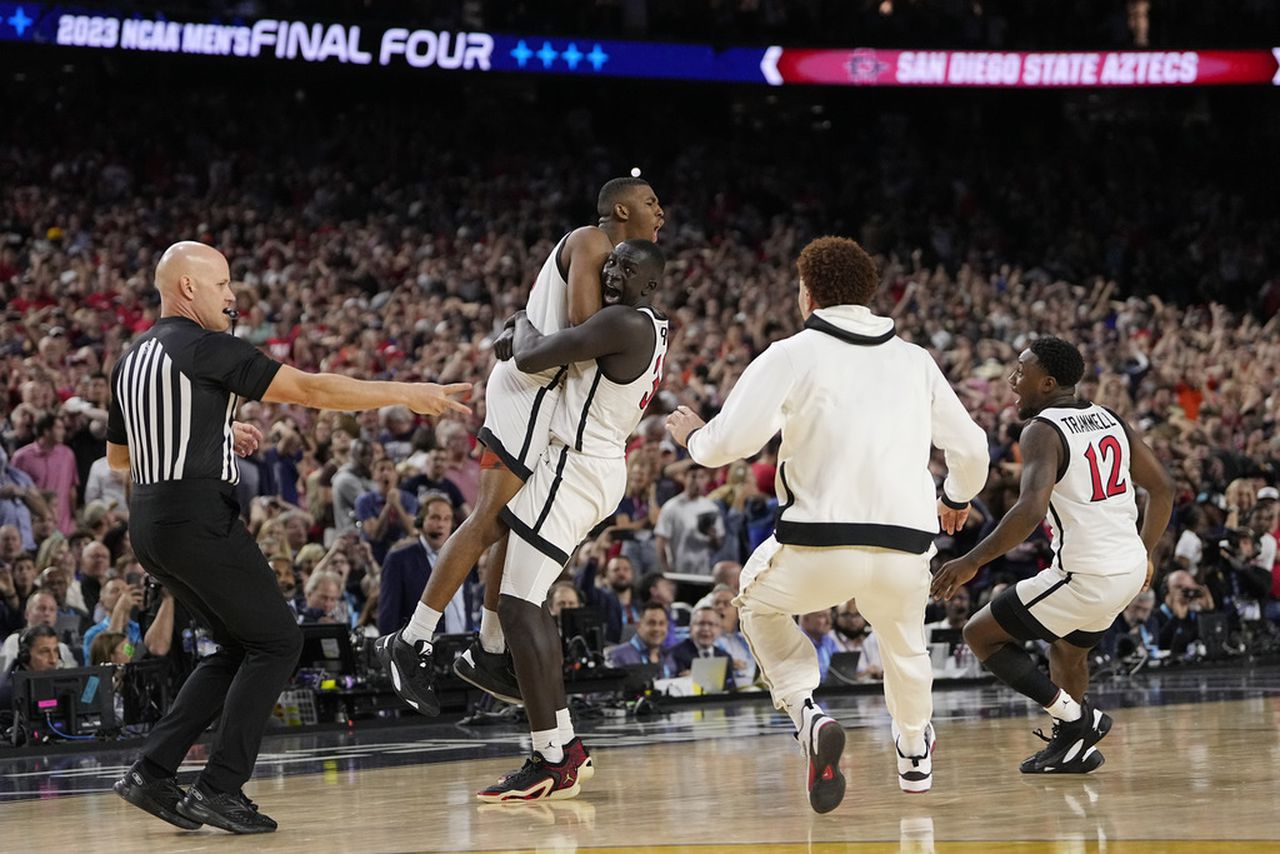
[391, 252]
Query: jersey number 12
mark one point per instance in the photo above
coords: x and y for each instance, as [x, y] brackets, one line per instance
[1108, 447]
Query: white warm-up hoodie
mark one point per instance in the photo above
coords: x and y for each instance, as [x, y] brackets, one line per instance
[859, 410]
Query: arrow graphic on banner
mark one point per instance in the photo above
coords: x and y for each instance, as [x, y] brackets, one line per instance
[769, 65]
[1275, 51]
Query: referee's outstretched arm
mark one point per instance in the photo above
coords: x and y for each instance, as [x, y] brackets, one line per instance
[335, 391]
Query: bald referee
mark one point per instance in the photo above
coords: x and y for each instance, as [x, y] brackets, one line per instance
[174, 394]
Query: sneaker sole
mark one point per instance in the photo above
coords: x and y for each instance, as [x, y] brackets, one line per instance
[826, 795]
[132, 795]
[213, 819]
[470, 678]
[525, 798]
[920, 787]
[429, 707]
[1092, 761]
[916, 787]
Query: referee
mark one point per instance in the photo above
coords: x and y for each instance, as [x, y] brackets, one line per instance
[174, 394]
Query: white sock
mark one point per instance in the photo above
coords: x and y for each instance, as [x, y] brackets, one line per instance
[913, 746]
[491, 636]
[801, 711]
[1064, 708]
[422, 626]
[564, 726]
[547, 742]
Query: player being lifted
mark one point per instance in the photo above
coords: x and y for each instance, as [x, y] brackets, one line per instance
[615, 364]
[518, 409]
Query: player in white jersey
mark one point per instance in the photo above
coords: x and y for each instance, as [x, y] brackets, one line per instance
[615, 365]
[518, 407]
[1080, 466]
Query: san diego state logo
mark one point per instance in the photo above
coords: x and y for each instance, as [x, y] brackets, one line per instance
[865, 66]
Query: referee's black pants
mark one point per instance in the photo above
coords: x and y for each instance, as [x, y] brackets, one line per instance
[189, 535]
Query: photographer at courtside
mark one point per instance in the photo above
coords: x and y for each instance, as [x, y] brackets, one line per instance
[1176, 619]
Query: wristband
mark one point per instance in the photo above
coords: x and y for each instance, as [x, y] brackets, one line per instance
[689, 439]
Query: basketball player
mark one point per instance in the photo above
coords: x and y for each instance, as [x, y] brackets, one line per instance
[1080, 464]
[518, 409]
[859, 410]
[615, 365]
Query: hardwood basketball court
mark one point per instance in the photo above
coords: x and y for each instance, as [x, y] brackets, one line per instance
[1199, 774]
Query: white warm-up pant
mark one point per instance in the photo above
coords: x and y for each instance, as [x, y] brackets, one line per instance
[892, 589]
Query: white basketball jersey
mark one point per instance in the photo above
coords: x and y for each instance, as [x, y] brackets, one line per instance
[548, 308]
[596, 414]
[1093, 510]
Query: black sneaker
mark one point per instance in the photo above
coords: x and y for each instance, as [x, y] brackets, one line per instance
[158, 797]
[412, 671]
[537, 780]
[493, 673]
[1071, 748]
[229, 811]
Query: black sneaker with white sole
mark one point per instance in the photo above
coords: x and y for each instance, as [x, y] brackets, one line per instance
[158, 797]
[1072, 748]
[493, 673]
[411, 668]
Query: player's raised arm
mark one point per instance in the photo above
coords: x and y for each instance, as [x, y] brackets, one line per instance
[751, 415]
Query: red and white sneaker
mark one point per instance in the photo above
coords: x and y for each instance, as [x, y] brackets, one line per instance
[915, 773]
[538, 780]
[823, 740]
[576, 752]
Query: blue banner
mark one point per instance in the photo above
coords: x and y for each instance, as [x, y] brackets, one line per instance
[373, 44]
[378, 44]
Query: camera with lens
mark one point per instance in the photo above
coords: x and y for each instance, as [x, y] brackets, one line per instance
[1234, 541]
[1230, 558]
[1230, 549]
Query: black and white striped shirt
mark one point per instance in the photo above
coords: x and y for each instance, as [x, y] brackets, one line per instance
[174, 394]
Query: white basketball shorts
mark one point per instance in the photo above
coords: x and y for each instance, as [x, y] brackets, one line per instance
[517, 414]
[566, 496]
[1053, 605]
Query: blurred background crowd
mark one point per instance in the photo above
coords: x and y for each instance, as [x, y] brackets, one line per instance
[365, 239]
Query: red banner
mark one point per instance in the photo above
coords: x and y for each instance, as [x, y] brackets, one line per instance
[1011, 69]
